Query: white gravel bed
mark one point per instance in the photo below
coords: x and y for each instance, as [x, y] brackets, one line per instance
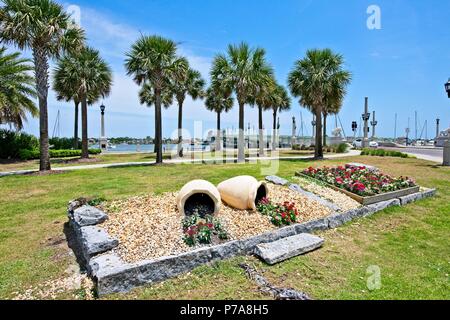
[338, 198]
[149, 227]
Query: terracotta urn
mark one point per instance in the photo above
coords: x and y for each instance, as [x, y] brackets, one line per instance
[199, 197]
[243, 192]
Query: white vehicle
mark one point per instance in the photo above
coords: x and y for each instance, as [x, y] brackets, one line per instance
[373, 144]
[358, 143]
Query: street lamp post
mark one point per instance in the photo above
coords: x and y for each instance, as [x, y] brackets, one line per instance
[366, 118]
[103, 140]
[447, 143]
[314, 124]
[374, 124]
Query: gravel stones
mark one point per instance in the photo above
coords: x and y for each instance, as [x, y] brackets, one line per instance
[149, 227]
[341, 200]
[312, 196]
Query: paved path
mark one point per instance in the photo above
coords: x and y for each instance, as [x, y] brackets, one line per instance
[352, 153]
[424, 153]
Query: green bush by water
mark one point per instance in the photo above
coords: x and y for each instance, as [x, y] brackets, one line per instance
[34, 154]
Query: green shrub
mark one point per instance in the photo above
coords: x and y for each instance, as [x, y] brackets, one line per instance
[11, 143]
[383, 153]
[34, 154]
[62, 143]
[342, 148]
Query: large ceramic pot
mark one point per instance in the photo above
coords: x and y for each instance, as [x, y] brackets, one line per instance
[243, 192]
[199, 197]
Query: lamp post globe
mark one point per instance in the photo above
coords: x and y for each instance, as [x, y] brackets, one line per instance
[447, 87]
[102, 108]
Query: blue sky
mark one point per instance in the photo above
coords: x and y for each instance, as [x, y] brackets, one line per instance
[401, 68]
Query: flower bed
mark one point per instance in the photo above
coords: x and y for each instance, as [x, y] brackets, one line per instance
[361, 184]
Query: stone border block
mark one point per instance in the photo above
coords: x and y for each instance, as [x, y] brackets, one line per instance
[277, 180]
[95, 240]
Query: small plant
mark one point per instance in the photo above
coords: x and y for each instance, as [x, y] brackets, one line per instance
[96, 201]
[202, 231]
[280, 214]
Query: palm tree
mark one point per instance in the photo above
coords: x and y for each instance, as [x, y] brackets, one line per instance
[16, 89]
[186, 82]
[219, 102]
[264, 99]
[281, 102]
[153, 59]
[316, 79]
[244, 70]
[147, 97]
[67, 91]
[331, 107]
[44, 27]
[91, 79]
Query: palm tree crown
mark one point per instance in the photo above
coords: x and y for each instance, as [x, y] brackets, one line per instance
[242, 70]
[317, 79]
[16, 90]
[147, 96]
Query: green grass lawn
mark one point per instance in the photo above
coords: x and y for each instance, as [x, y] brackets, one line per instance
[409, 245]
[16, 165]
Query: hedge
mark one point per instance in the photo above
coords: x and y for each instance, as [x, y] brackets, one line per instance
[34, 154]
[383, 153]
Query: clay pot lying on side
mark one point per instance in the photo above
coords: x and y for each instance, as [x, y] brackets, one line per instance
[243, 192]
[199, 197]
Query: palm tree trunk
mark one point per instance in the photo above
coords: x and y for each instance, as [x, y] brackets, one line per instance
[75, 130]
[261, 131]
[158, 127]
[241, 142]
[218, 135]
[318, 153]
[325, 129]
[275, 132]
[41, 74]
[84, 130]
[180, 129]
